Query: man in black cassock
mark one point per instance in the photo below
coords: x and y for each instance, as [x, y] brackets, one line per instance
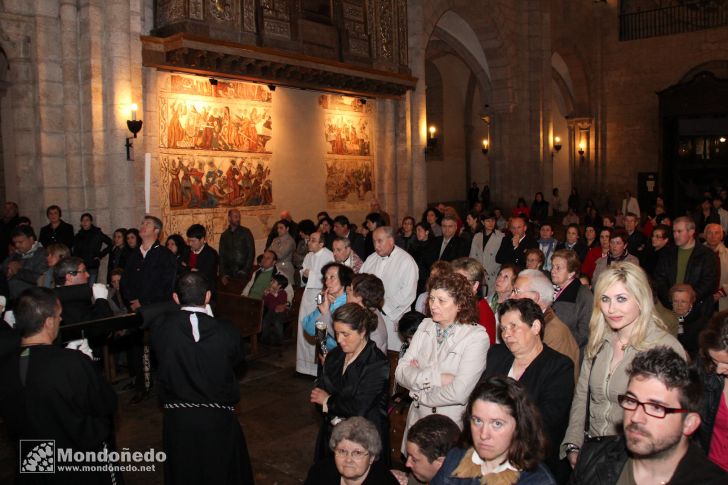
[198, 389]
[52, 393]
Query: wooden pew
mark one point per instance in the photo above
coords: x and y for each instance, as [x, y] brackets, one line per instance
[243, 312]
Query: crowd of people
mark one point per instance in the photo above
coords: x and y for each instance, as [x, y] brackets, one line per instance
[522, 358]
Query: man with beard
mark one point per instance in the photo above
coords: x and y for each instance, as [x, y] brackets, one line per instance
[661, 408]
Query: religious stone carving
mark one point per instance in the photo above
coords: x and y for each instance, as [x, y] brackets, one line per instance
[196, 10]
[402, 31]
[170, 11]
[385, 15]
[249, 15]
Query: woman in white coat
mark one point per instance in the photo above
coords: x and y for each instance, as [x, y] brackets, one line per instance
[447, 355]
[484, 247]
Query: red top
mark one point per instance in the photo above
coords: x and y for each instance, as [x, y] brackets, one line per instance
[271, 301]
[719, 443]
[487, 319]
[193, 260]
[590, 261]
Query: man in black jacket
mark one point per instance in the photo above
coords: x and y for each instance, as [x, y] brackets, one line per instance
[342, 228]
[149, 277]
[687, 262]
[450, 245]
[202, 257]
[57, 231]
[513, 249]
[661, 412]
[237, 249]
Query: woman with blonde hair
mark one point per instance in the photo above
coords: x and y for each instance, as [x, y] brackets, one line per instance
[623, 323]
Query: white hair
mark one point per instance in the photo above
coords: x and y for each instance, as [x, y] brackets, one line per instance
[538, 282]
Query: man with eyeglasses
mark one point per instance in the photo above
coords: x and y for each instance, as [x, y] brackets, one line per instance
[81, 303]
[660, 239]
[661, 408]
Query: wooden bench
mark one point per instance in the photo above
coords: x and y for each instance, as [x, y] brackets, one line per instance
[243, 312]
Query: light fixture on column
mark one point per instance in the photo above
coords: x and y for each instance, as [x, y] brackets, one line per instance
[486, 146]
[581, 151]
[135, 127]
[431, 139]
[556, 146]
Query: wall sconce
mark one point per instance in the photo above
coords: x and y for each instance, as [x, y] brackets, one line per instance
[556, 144]
[135, 127]
[431, 138]
[581, 151]
[486, 146]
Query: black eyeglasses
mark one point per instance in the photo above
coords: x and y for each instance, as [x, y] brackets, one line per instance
[651, 409]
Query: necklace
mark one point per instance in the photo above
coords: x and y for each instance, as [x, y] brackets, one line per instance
[622, 344]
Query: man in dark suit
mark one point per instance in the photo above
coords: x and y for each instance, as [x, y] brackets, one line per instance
[636, 242]
[450, 246]
[202, 257]
[342, 228]
[687, 262]
[149, 277]
[513, 249]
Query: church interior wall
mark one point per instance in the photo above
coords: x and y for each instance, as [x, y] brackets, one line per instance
[448, 171]
[309, 167]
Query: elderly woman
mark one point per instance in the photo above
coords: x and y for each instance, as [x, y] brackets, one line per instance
[573, 302]
[354, 378]
[336, 279]
[356, 448]
[547, 375]
[368, 291]
[623, 323]
[503, 288]
[617, 253]
[447, 354]
[690, 322]
[713, 370]
[505, 440]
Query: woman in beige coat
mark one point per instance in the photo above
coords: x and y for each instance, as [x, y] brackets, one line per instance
[623, 323]
[447, 355]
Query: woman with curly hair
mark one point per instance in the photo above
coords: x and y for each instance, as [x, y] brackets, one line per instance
[447, 355]
[505, 438]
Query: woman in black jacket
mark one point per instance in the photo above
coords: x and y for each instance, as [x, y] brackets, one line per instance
[424, 252]
[547, 375]
[88, 244]
[354, 378]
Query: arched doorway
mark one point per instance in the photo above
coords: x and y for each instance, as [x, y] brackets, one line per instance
[694, 128]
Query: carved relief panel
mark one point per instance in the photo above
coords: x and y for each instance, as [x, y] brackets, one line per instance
[355, 25]
[277, 18]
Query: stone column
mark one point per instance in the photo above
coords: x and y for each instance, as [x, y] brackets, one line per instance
[416, 103]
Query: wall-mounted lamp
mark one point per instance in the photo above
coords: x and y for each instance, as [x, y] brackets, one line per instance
[581, 151]
[431, 138]
[213, 81]
[486, 146]
[557, 144]
[272, 87]
[135, 126]
[721, 139]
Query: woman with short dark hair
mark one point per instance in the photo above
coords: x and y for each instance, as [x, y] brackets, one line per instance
[617, 253]
[354, 378]
[505, 438]
[368, 291]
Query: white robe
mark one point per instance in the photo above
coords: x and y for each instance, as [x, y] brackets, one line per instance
[305, 345]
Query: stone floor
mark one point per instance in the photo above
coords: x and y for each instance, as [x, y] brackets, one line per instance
[279, 424]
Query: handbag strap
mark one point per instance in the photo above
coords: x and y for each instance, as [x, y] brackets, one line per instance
[588, 392]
